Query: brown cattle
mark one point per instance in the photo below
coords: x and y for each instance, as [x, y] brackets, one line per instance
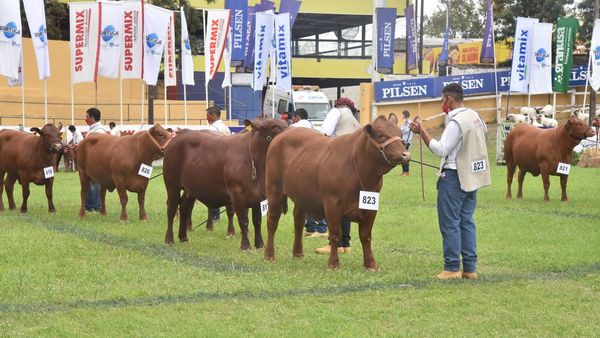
[69, 154]
[324, 176]
[219, 170]
[539, 151]
[24, 156]
[114, 162]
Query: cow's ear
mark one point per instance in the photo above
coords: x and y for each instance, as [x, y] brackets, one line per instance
[36, 130]
[393, 118]
[247, 122]
[369, 129]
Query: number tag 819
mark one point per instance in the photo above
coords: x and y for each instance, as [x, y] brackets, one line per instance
[368, 200]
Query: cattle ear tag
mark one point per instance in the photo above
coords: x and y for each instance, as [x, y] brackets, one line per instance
[145, 170]
[249, 127]
[264, 207]
[563, 168]
[368, 200]
[49, 172]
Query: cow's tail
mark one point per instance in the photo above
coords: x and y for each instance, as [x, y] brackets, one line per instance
[284, 204]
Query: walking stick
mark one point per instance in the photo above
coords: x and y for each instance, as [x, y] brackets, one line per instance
[421, 159]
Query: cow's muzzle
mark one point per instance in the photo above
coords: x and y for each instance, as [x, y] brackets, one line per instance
[56, 146]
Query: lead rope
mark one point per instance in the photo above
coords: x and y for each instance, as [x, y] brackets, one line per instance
[251, 158]
[355, 166]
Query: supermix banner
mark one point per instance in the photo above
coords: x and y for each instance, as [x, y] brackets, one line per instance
[540, 78]
[169, 57]
[519, 78]
[262, 43]
[36, 19]
[284, 55]
[132, 53]
[84, 34]
[10, 38]
[156, 26]
[217, 29]
[187, 62]
[111, 39]
[565, 38]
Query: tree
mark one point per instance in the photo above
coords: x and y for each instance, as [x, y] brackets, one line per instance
[466, 19]
[585, 13]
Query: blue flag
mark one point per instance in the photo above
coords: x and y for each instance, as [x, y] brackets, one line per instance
[487, 47]
[411, 38]
[386, 25]
[444, 55]
[239, 17]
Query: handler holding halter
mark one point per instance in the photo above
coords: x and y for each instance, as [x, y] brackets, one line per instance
[464, 169]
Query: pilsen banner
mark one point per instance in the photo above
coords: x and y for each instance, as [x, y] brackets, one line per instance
[411, 38]
[386, 24]
[10, 38]
[156, 26]
[263, 34]
[214, 42]
[487, 47]
[169, 57]
[132, 53]
[84, 35]
[565, 37]
[284, 55]
[540, 77]
[519, 79]
[36, 19]
[443, 61]
[249, 49]
[187, 62]
[239, 18]
[111, 39]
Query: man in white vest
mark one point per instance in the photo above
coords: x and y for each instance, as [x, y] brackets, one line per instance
[92, 118]
[464, 169]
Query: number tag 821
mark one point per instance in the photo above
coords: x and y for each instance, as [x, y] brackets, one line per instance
[368, 200]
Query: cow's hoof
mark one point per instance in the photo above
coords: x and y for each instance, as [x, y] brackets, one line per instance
[269, 258]
[144, 219]
[23, 211]
[298, 254]
[230, 236]
[333, 268]
[259, 245]
[52, 211]
[246, 248]
[183, 240]
[373, 268]
[210, 229]
[564, 200]
[123, 219]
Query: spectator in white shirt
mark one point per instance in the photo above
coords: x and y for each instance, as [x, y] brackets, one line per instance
[300, 119]
[213, 115]
[76, 136]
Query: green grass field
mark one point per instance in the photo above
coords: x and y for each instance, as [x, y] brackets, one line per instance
[539, 268]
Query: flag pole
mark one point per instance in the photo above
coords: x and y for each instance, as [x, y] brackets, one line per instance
[120, 100]
[45, 101]
[206, 75]
[587, 80]
[230, 114]
[23, 92]
[143, 92]
[185, 109]
[165, 103]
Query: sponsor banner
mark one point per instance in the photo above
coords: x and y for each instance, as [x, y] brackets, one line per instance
[239, 18]
[227, 65]
[292, 7]
[283, 36]
[404, 89]
[132, 52]
[266, 5]
[36, 19]
[170, 69]
[85, 36]
[156, 26]
[18, 82]
[444, 55]
[111, 39]
[249, 50]
[10, 38]
[216, 30]
[386, 25]
[487, 46]
[565, 38]
[519, 79]
[595, 49]
[187, 62]
[262, 42]
[540, 78]
[411, 38]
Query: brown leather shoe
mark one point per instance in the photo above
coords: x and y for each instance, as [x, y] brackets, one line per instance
[444, 275]
[469, 275]
[327, 250]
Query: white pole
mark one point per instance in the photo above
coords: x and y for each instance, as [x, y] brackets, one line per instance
[587, 81]
[72, 103]
[120, 100]
[23, 92]
[230, 103]
[374, 74]
[143, 92]
[553, 104]
[206, 80]
[165, 101]
[45, 102]
[185, 111]
[273, 101]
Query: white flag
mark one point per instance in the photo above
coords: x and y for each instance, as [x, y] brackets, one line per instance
[10, 38]
[84, 20]
[187, 62]
[227, 64]
[169, 57]
[284, 55]
[111, 39]
[519, 77]
[540, 77]
[18, 82]
[214, 42]
[36, 19]
[132, 53]
[156, 25]
[595, 55]
[263, 34]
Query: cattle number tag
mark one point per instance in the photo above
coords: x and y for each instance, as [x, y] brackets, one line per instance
[478, 166]
[264, 207]
[563, 168]
[145, 170]
[49, 172]
[368, 200]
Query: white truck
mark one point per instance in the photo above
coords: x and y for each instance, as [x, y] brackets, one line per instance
[310, 98]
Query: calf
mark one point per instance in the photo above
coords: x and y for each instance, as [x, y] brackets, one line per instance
[114, 162]
[539, 151]
[24, 157]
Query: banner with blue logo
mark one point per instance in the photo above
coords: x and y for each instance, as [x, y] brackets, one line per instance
[292, 7]
[404, 89]
[239, 17]
[519, 79]
[156, 26]
[487, 47]
[283, 36]
[249, 50]
[411, 38]
[111, 35]
[540, 77]
[10, 38]
[386, 25]
[263, 34]
[36, 19]
[187, 61]
[595, 56]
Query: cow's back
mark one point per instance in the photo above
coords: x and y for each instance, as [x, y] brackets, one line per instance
[94, 155]
[16, 150]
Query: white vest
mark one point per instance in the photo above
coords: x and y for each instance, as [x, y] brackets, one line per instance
[347, 123]
[472, 161]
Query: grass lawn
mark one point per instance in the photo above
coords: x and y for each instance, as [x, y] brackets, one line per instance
[539, 268]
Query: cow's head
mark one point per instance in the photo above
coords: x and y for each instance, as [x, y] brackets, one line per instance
[50, 137]
[159, 136]
[268, 128]
[578, 129]
[385, 134]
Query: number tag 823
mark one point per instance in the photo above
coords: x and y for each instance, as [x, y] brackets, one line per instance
[368, 200]
[478, 166]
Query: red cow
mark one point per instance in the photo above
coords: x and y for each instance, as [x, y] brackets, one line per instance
[539, 151]
[25, 157]
[114, 162]
[324, 176]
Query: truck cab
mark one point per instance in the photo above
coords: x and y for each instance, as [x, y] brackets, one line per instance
[310, 98]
